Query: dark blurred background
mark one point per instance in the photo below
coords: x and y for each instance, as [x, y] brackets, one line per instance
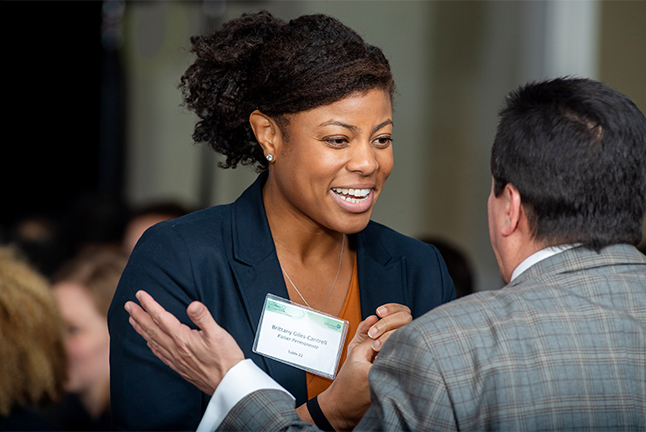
[63, 120]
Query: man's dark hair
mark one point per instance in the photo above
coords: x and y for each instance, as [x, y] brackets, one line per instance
[576, 151]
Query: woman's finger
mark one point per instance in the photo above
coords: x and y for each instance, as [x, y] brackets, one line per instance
[378, 343]
[362, 331]
[391, 308]
[393, 316]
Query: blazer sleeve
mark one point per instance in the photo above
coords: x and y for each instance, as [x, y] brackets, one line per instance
[407, 390]
[145, 393]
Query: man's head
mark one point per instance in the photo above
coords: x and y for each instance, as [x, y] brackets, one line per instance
[576, 152]
[569, 166]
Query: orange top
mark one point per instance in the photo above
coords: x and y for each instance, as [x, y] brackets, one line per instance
[350, 312]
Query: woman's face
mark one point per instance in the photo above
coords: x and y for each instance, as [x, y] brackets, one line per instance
[87, 340]
[336, 160]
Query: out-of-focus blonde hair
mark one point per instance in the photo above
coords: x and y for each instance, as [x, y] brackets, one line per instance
[32, 353]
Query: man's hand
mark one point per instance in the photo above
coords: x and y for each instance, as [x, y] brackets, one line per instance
[348, 398]
[202, 357]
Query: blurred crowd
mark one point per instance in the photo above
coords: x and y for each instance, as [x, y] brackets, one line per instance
[57, 280]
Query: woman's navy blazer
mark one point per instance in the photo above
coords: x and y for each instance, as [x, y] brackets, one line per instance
[225, 257]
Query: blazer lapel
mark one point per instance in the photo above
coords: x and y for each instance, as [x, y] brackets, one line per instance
[381, 276]
[257, 272]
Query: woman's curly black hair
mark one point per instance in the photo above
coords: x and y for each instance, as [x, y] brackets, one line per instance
[258, 61]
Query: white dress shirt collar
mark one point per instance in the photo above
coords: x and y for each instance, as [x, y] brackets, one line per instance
[539, 256]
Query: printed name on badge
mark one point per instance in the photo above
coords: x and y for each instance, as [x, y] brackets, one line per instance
[301, 337]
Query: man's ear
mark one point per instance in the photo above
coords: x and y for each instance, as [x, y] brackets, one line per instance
[513, 210]
[266, 131]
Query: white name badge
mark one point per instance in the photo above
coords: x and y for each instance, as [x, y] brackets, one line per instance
[301, 337]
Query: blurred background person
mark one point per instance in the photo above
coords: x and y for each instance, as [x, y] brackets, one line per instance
[32, 355]
[84, 288]
[41, 242]
[146, 216]
[47, 242]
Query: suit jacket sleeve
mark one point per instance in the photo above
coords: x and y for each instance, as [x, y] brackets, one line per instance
[271, 410]
[145, 393]
[407, 389]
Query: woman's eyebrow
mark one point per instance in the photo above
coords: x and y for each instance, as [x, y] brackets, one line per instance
[355, 128]
[338, 123]
[384, 124]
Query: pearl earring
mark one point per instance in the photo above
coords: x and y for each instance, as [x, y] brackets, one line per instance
[270, 157]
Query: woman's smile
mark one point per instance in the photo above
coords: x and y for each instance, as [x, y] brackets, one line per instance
[355, 200]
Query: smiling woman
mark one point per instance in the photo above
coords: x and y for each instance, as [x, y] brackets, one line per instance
[309, 104]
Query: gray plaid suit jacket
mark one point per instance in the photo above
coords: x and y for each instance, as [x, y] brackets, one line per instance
[563, 347]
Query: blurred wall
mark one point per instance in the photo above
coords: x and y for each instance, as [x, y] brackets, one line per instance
[622, 59]
[453, 63]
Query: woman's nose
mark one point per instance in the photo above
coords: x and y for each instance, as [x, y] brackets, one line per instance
[363, 159]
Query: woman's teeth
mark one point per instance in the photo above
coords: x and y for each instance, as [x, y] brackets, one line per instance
[352, 195]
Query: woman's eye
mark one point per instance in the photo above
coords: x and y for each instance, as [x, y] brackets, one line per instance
[336, 141]
[73, 330]
[383, 141]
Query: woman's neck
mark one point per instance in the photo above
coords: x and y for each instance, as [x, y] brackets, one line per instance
[297, 237]
[317, 263]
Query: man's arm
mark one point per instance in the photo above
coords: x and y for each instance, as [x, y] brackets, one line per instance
[241, 380]
[407, 392]
[265, 410]
[407, 389]
[204, 357]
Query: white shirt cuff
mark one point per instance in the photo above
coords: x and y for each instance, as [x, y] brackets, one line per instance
[241, 380]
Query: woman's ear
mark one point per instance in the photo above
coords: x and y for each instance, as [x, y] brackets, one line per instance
[266, 131]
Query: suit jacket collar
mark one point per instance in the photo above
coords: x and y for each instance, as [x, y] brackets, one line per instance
[580, 258]
[252, 240]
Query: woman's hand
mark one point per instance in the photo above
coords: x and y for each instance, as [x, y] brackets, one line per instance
[202, 357]
[348, 398]
[393, 316]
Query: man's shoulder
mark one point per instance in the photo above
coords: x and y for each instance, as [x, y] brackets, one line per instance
[580, 265]
[460, 315]
[559, 289]
[551, 336]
